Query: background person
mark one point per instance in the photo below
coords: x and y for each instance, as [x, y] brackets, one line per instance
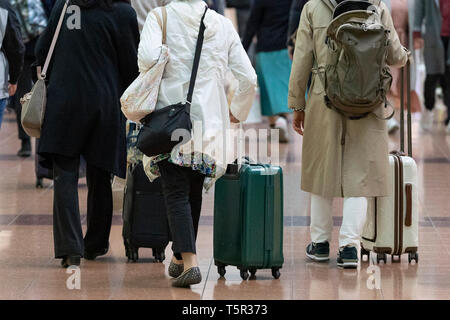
[48, 6]
[354, 171]
[216, 5]
[269, 21]
[294, 20]
[143, 7]
[90, 69]
[33, 20]
[182, 175]
[402, 12]
[11, 54]
[432, 31]
[242, 13]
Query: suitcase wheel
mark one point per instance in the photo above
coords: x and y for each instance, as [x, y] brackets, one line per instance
[252, 273]
[221, 270]
[159, 255]
[39, 183]
[413, 256]
[133, 254]
[244, 274]
[276, 273]
[364, 252]
[381, 256]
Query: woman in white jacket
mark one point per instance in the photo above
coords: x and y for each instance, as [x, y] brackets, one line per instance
[182, 174]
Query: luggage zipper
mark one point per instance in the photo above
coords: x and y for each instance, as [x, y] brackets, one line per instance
[400, 212]
[396, 204]
[399, 197]
[268, 219]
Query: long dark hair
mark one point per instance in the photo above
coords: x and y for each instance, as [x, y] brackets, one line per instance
[104, 4]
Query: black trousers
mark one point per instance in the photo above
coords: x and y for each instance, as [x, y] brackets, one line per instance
[242, 17]
[431, 82]
[182, 188]
[67, 231]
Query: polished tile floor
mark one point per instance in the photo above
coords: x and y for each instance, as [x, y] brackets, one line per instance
[28, 270]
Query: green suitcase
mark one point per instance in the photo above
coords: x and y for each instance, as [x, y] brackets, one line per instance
[248, 219]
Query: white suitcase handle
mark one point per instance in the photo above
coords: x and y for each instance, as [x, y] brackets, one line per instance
[408, 217]
[408, 106]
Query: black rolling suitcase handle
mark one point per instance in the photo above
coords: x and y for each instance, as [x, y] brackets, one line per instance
[408, 107]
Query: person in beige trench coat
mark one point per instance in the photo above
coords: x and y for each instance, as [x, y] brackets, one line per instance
[356, 170]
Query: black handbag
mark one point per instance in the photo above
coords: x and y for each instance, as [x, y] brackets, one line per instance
[158, 127]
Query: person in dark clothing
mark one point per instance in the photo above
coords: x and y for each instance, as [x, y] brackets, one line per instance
[216, 5]
[242, 12]
[33, 20]
[11, 54]
[294, 20]
[48, 6]
[90, 69]
[269, 22]
[432, 32]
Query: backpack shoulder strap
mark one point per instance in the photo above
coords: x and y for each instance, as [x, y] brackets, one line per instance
[334, 3]
[331, 4]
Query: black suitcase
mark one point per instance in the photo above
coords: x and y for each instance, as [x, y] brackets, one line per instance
[45, 172]
[145, 222]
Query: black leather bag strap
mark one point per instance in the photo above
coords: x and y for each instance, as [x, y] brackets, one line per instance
[198, 51]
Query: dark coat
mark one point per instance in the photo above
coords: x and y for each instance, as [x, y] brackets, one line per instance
[90, 69]
[294, 16]
[269, 21]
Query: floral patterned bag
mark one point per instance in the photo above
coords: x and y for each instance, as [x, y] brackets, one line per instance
[139, 100]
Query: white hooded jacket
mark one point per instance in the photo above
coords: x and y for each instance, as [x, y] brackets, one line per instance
[222, 51]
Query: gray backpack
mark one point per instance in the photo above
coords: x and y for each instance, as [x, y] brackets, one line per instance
[356, 77]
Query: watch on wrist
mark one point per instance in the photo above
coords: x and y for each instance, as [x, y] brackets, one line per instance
[298, 108]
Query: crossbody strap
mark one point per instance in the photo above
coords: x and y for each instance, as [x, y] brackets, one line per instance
[55, 38]
[198, 51]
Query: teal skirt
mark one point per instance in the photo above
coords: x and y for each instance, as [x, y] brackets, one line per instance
[273, 70]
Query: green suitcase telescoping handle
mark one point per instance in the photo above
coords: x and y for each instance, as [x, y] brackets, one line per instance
[268, 232]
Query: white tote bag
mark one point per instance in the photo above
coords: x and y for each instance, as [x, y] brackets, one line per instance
[139, 100]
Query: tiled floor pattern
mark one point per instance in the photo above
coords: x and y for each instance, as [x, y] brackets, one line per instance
[28, 270]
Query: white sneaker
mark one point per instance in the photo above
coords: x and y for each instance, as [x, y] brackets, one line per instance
[282, 125]
[392, 125]
[427, 120]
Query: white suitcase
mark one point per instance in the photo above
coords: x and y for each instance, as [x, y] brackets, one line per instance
[392, 225]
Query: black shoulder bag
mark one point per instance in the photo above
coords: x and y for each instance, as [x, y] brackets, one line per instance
[155, 136]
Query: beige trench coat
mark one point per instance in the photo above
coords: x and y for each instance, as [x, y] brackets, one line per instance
[360, 167]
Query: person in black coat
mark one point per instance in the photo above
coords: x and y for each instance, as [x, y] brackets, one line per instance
[294, 20]
[48, 6]
[90, 69]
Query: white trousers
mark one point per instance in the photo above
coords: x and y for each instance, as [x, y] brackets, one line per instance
[355, 212]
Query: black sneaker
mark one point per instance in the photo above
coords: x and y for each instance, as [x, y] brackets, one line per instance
[318, 251]
[348, 258]
[92, 255]
[68, 261]
[25, 150]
